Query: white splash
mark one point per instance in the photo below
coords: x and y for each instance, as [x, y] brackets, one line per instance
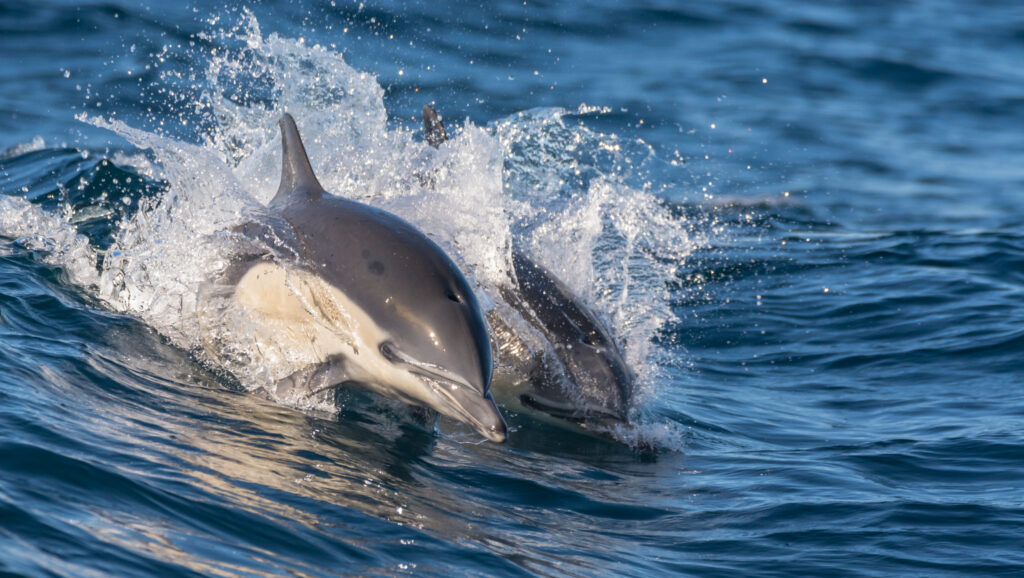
[36, 144]
[39, 230]
[534, 179]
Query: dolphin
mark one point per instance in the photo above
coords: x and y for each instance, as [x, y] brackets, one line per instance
[554, 353]
[364, 299]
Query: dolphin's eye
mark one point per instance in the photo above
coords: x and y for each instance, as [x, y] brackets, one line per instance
[388, 351]
[452, 296]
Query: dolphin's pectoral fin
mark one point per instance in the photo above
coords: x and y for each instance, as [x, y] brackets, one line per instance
[433, 127]
[312, 379]
[297, 176]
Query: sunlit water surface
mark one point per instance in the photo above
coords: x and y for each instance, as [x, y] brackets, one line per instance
[804, 224]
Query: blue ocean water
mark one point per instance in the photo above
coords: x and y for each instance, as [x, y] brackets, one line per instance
[825, 203]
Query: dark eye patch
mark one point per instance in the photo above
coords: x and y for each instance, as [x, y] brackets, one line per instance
[452, 296]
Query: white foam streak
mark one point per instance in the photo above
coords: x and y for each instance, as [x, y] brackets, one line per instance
[36, 144]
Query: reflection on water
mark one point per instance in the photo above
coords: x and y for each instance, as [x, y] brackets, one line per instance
[257, 472]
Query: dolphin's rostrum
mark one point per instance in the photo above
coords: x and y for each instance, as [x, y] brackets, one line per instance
[368, 299]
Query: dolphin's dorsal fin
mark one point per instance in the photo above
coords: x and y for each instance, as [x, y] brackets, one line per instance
[433, 127]
[297, 176]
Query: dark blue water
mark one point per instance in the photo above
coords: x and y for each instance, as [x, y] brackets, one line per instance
[840, 384]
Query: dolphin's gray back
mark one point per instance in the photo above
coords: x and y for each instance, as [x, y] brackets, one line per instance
[364, 251]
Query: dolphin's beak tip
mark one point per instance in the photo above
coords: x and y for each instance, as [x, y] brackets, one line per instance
[493, 426]
[497, 435]
[483, 414]
[497, 429]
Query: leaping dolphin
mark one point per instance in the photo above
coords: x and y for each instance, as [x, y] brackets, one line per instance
[365, 299]
[554, 353]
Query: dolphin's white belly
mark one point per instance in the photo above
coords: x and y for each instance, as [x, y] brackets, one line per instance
[293, 326]
[301, 315]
